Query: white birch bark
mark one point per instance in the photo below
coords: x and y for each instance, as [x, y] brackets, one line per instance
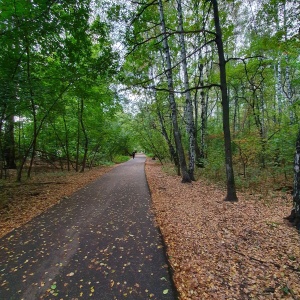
[204, 101]
[190, 126]
[176, 131]
[279, 91]
[296, 193]
[289, 91]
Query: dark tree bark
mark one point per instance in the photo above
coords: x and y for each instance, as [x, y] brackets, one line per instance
[295, 214]
[231, 192]
[176, 131]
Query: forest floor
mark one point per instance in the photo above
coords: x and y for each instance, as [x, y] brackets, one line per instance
[217, 249]
[223, 250]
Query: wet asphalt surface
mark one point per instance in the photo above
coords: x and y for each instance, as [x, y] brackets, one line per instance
[100, 243]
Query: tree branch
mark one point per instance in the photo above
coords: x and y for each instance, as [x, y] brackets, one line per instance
[168, 34]
[244, 59]
[184, 91]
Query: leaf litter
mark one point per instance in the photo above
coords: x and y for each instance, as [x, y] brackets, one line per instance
[217, 250]
[223, 250]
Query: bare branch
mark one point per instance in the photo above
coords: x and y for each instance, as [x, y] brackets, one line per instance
[209, 86]
[168, 34]
[244, 59]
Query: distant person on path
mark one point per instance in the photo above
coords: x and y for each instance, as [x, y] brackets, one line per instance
[133, 154]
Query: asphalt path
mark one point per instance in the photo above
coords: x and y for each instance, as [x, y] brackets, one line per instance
[100, 243]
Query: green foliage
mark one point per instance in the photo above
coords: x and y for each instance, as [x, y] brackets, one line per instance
[120, 159]
[55, 56]
[52, 60]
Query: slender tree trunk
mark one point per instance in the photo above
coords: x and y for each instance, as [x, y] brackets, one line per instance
[289, 92]
[66, 143]
[78, 139]
[9, 150]
[263, 131]
[86, 140]
[236, 111]
[32, 103]
[37, 130]
[96, 149]
[231, 192]
[197, 148]
[172, 151]
[203, 129]
[190, 126]
[177, 136]
[288, 86]
[258, 113]
[278, 92]
[198, 82]
[204, 101]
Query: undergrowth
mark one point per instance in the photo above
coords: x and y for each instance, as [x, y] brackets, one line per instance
[265, 183]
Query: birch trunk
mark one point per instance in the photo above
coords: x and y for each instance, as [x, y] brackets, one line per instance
[295, 215]
[279, 92]
[177, 136]
[203, 125]
[289, 92]
[190, 126]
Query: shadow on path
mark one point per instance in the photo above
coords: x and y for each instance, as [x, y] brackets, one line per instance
[101, 243]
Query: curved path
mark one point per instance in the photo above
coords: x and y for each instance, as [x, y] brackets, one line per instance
[101, 243]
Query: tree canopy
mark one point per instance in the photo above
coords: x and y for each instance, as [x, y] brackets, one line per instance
[214, 85]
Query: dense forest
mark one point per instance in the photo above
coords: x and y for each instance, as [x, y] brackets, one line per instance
[211, 86]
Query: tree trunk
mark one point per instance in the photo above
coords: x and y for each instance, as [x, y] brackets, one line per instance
[66, 143]
[204, 100]
[86, 140]
[172, 151]
[278, 92]
[9, 148]
[78, 139]
[295, 214]
[289, 92]
[231, 192]
[177, 136]
[33, 107]
[190, 126]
